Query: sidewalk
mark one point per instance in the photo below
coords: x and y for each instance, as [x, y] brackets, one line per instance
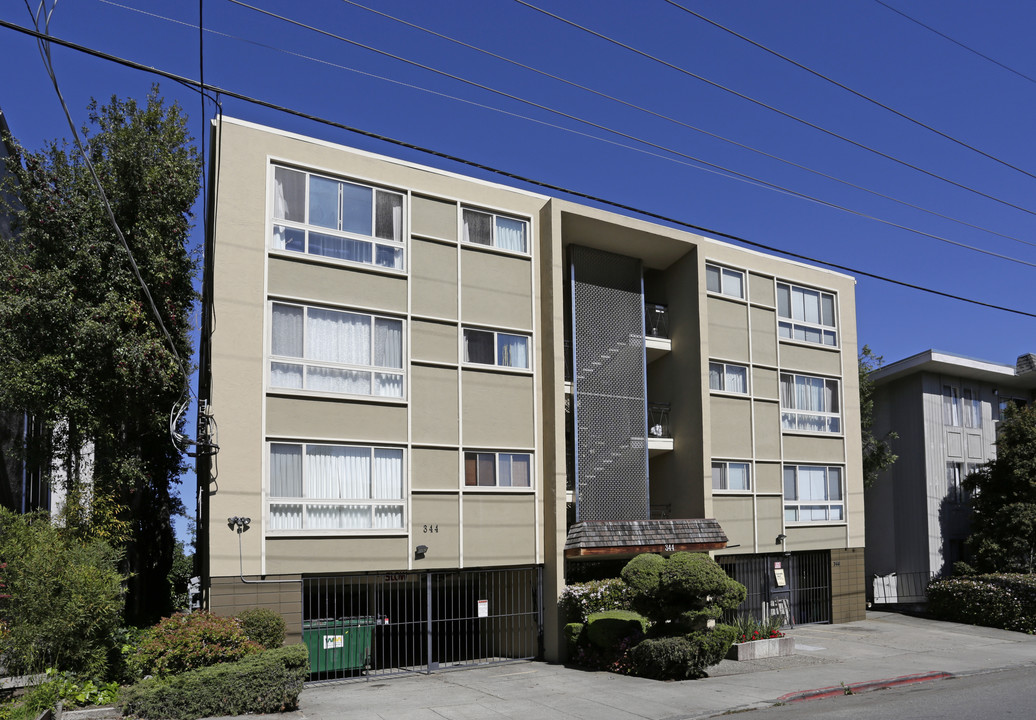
[884, 647]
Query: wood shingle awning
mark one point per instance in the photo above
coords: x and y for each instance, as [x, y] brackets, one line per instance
[626, 538]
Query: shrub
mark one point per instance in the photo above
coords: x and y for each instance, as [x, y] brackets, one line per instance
[63, 599]
[607, 629]
[688, 588]
[190, 641]
[1005, 601]
[265, 683]
[572, 633]
[643, 574]
[681, 657]
[264, 626]
[579, 600]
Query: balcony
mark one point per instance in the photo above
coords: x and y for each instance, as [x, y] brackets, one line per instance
[656, 331]
[660, 435]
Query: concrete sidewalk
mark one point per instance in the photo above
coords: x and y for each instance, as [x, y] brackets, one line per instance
[885, 648]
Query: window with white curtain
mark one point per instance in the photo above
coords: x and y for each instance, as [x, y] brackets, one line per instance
[483, 228]
[950, 405]
[335, 487]
[813, 493]
[337, 219]
[809, 404]
[497, 469]
[725, 281]
[972, 409]
[806, 314]
[489, 347]
[728, 378]
[335, 351]
[730, 476]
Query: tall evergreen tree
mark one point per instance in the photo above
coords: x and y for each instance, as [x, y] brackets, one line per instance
[80, 349]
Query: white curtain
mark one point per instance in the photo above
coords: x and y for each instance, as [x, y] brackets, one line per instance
[289, 193]
[388, 517]
[510, 234]
[512, 350]
[812, 483]
[388, 385]
[285, 375]
[336, 472]
[338, 517]
[388, 222]
[285, 517]
[737, 379]
[285, 470]
[733, 283]
[337, 380]
[388, 343]
[287, 337]
[737, 476]
[715, 376]
[338, 337]
[388, 474]
[788, 392]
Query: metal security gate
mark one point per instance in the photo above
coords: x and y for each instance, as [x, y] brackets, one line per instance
[805, 597]
[382, 624]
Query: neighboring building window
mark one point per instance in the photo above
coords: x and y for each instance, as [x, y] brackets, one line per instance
[335, 487]
[809, 404]
[813, 494]
[972, 409]
[728, 378]
[490, 469]
[950, 405]
[332, 218]
[809, 315]
[725, 281]
[488, 347]
[953, 482]
[335, 351]
[482, 228]
[730, 476]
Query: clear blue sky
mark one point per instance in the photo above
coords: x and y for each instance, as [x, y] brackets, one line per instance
[859, 43]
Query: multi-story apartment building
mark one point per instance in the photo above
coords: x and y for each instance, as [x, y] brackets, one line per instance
[945, 409]
[437, 395]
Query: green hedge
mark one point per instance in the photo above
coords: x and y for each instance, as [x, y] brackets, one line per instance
[580, 600]
[681, 657]
[1005, 601]
[268, 682]
[609, 628]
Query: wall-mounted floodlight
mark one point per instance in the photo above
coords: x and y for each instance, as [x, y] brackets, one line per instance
[419, 551]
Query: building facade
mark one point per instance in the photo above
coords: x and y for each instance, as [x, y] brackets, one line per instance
[944, 409]
[436, 396]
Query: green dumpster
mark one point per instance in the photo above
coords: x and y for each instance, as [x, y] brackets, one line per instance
[339, 644]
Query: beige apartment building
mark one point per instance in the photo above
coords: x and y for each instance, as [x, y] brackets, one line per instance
[438, 397]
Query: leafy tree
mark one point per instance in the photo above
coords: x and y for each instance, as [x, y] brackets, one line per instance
[79, 347]
[877, 452]
[64, 598]
[1003, 498]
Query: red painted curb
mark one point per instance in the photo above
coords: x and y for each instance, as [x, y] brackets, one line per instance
[859, 687]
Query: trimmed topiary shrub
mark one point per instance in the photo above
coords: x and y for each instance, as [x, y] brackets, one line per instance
[681, 657]
[265, 683]
[573, 631]
[188, 641]
[264, 626]
[1005, 601]
[607, 629]
[579, 600]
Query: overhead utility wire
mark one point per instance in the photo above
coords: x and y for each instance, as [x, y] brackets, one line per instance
[504, 173]
[848, 89]
[958, 43]
[634, 138]
[772, 108]
[634, 106]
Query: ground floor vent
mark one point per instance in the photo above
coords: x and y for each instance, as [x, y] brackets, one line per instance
[360, 626]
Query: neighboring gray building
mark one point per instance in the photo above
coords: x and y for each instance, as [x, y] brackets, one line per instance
[945, 409]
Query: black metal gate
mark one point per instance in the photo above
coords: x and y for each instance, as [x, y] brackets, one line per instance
[805, 596]
[382, 624]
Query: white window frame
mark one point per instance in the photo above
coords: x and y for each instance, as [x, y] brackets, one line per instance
[305, 504]
[494, 225]
[303, 230]
[724, 374]
[725, 277]
[722, 467]
[308, 363]
[497, 350]
[794, 506]
[804, 419]
[500, 458]
[790, 327]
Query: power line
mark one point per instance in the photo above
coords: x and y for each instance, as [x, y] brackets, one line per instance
[634, 138]
[848, 89]
[772, 108]
[970, 49]
[504, 173]
[628, 104]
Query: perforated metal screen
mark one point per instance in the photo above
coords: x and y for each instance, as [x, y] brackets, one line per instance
[609, 386]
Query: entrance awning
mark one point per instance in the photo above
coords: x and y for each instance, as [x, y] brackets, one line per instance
[626, 538]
